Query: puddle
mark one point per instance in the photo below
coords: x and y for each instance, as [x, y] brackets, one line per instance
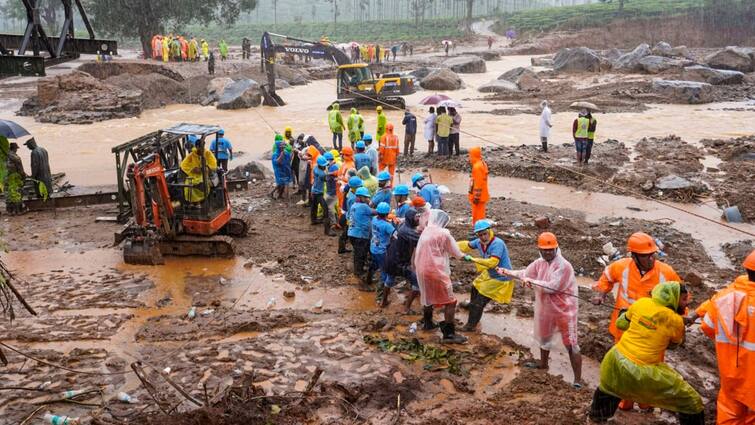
[596, 205]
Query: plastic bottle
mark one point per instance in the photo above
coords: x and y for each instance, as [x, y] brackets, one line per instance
[192, 313]
[127, 398]
[413, 328]
[60, 420]
[271, 302]
[72, 393]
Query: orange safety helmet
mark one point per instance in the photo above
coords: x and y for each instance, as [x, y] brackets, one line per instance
[347, 151]
[547, 240]
[641, 243]
[749, 262]
[418, 202]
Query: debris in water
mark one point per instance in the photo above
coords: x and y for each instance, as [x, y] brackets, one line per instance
[60, 420]
[125, 398]
[435, 358]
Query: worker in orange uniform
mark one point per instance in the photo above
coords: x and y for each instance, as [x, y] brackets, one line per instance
[636, 277]
[730, 322]
[388, 151]
[478, 184]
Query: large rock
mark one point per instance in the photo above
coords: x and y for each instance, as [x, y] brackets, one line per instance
[733, 58]
[542, 61]
[294, 76]
[631, 61]
[712, 76]
[466, 64]
[240, 95]
[684, 91]
[673, 182]
[422, 72]
[580, 59]
[488, 55]
[613, 54]
[216, 87]
[681, 51]
[498, 86]
[441, 79]
[663, 49]
[524, 78]
[656, 64]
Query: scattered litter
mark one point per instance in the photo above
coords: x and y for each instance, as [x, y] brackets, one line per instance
[167, 370]
[192, 313]
[608, 248]
[125, 398]
[106, 219]
[733, 215]
[413, 328]
[271, 302]
[222, 280]
[44, 385]
[237, 373]
[208, 312]
[634, 209]
[517, 224]
[307, 279]
[616, 223]
[72, 393]
[61, 420]
[319, 304]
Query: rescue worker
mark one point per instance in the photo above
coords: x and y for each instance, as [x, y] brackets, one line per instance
[175, 49]
[428, 191]
[222, 149]
[373, 153]
[156, 45]
[193, 50]
[331, 196]
[429, 130]
[556, 293]
[40, 167]
[348, 162]
[195, 175]
[4, 152]
[360, 222]
[246, 48]
[355, 124]
[223, 48]
[388, 153]
[581, 133]
[545, 124]
[432, 265]
[636, 277]
[634, 367]
[335, 122]
[318, 196]
[184, 48]
[288, 137]
[443, 124]
[350, 197]
[489, 284]
[398, 260]
[362, 158]
[384, 192]
[205, 50]
[382, 121]
[211, 64]
[281, 166]
[166, 49]
[382, 232]
[368, 181]
[14, 204]
[410, 132]
[590, 136]
[478, 184]
[729, 322]
[401, 195]
[423, 212]
[455, 133]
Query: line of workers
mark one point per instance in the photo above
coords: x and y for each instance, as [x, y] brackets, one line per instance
[176, 48]
[401, 232]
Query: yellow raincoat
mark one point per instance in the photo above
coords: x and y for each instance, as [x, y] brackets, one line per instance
[192, 166]
[489, 283]
[166, 49]
[634, 369]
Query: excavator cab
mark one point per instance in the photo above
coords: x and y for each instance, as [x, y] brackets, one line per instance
[179, 200]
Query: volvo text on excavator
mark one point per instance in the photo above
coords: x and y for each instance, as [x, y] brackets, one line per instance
[179, 202]
[356, 83]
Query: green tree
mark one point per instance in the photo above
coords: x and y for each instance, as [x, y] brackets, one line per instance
[145, 18]
[48, 11]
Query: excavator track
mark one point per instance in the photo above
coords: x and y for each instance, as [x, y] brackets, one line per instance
[202, 246]
[238, 227]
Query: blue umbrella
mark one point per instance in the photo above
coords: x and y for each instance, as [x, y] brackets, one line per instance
[11, 130]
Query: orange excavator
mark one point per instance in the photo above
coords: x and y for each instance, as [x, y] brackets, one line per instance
[163, 221]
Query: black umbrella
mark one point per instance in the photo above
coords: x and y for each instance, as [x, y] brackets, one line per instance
[11, 130]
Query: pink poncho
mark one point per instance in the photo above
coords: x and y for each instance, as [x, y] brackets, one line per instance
[431, 261]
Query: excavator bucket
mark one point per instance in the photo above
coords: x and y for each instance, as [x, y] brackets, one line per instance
[144, 251]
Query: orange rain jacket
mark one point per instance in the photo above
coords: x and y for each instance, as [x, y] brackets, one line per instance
[632, 285]
[730, 322]
[388, 151]
[478, 184]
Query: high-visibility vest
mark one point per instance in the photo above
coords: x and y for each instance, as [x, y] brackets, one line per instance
[583, 126]
[591, 133]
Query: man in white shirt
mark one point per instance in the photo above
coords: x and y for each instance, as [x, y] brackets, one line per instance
[545, 125]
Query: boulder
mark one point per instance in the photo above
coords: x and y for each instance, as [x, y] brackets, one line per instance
[295, 77]
[542, 61]
[240, 95]
[613, 54]
[488, 55]
[656, 64]
[712, 76]
[498, 86]
[673, 182]
[684, 91]
[281, 84]
[680, 51]
[524, 78]
[465, 64]
[441, 79]
[733, 58]
[580, 59]
[422, 72]
[216, 87]
[663, 49]
[631, 61]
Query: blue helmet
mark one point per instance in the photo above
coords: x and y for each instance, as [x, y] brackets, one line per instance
[401, 190]
[329, 156]
[321, 161]
[362, 191]
[221, 132]
[417, 177]
[383, 208]
[367, 137]
[384, 176]
[192, 139]
[481, 225]
[360, 145]
[333, 168]
[355, 182]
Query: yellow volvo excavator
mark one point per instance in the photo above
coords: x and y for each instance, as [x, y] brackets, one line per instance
[356, 83]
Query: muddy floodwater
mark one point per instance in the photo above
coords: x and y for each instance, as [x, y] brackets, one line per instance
[84, 151]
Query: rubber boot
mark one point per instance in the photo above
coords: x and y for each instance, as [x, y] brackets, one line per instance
[545, 147]
[449, 334]
[427, 319]
[694, 419]
[475, 314]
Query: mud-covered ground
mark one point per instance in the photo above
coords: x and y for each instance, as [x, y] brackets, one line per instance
[97, 314]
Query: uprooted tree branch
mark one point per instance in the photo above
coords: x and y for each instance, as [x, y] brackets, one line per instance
[9, 294]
